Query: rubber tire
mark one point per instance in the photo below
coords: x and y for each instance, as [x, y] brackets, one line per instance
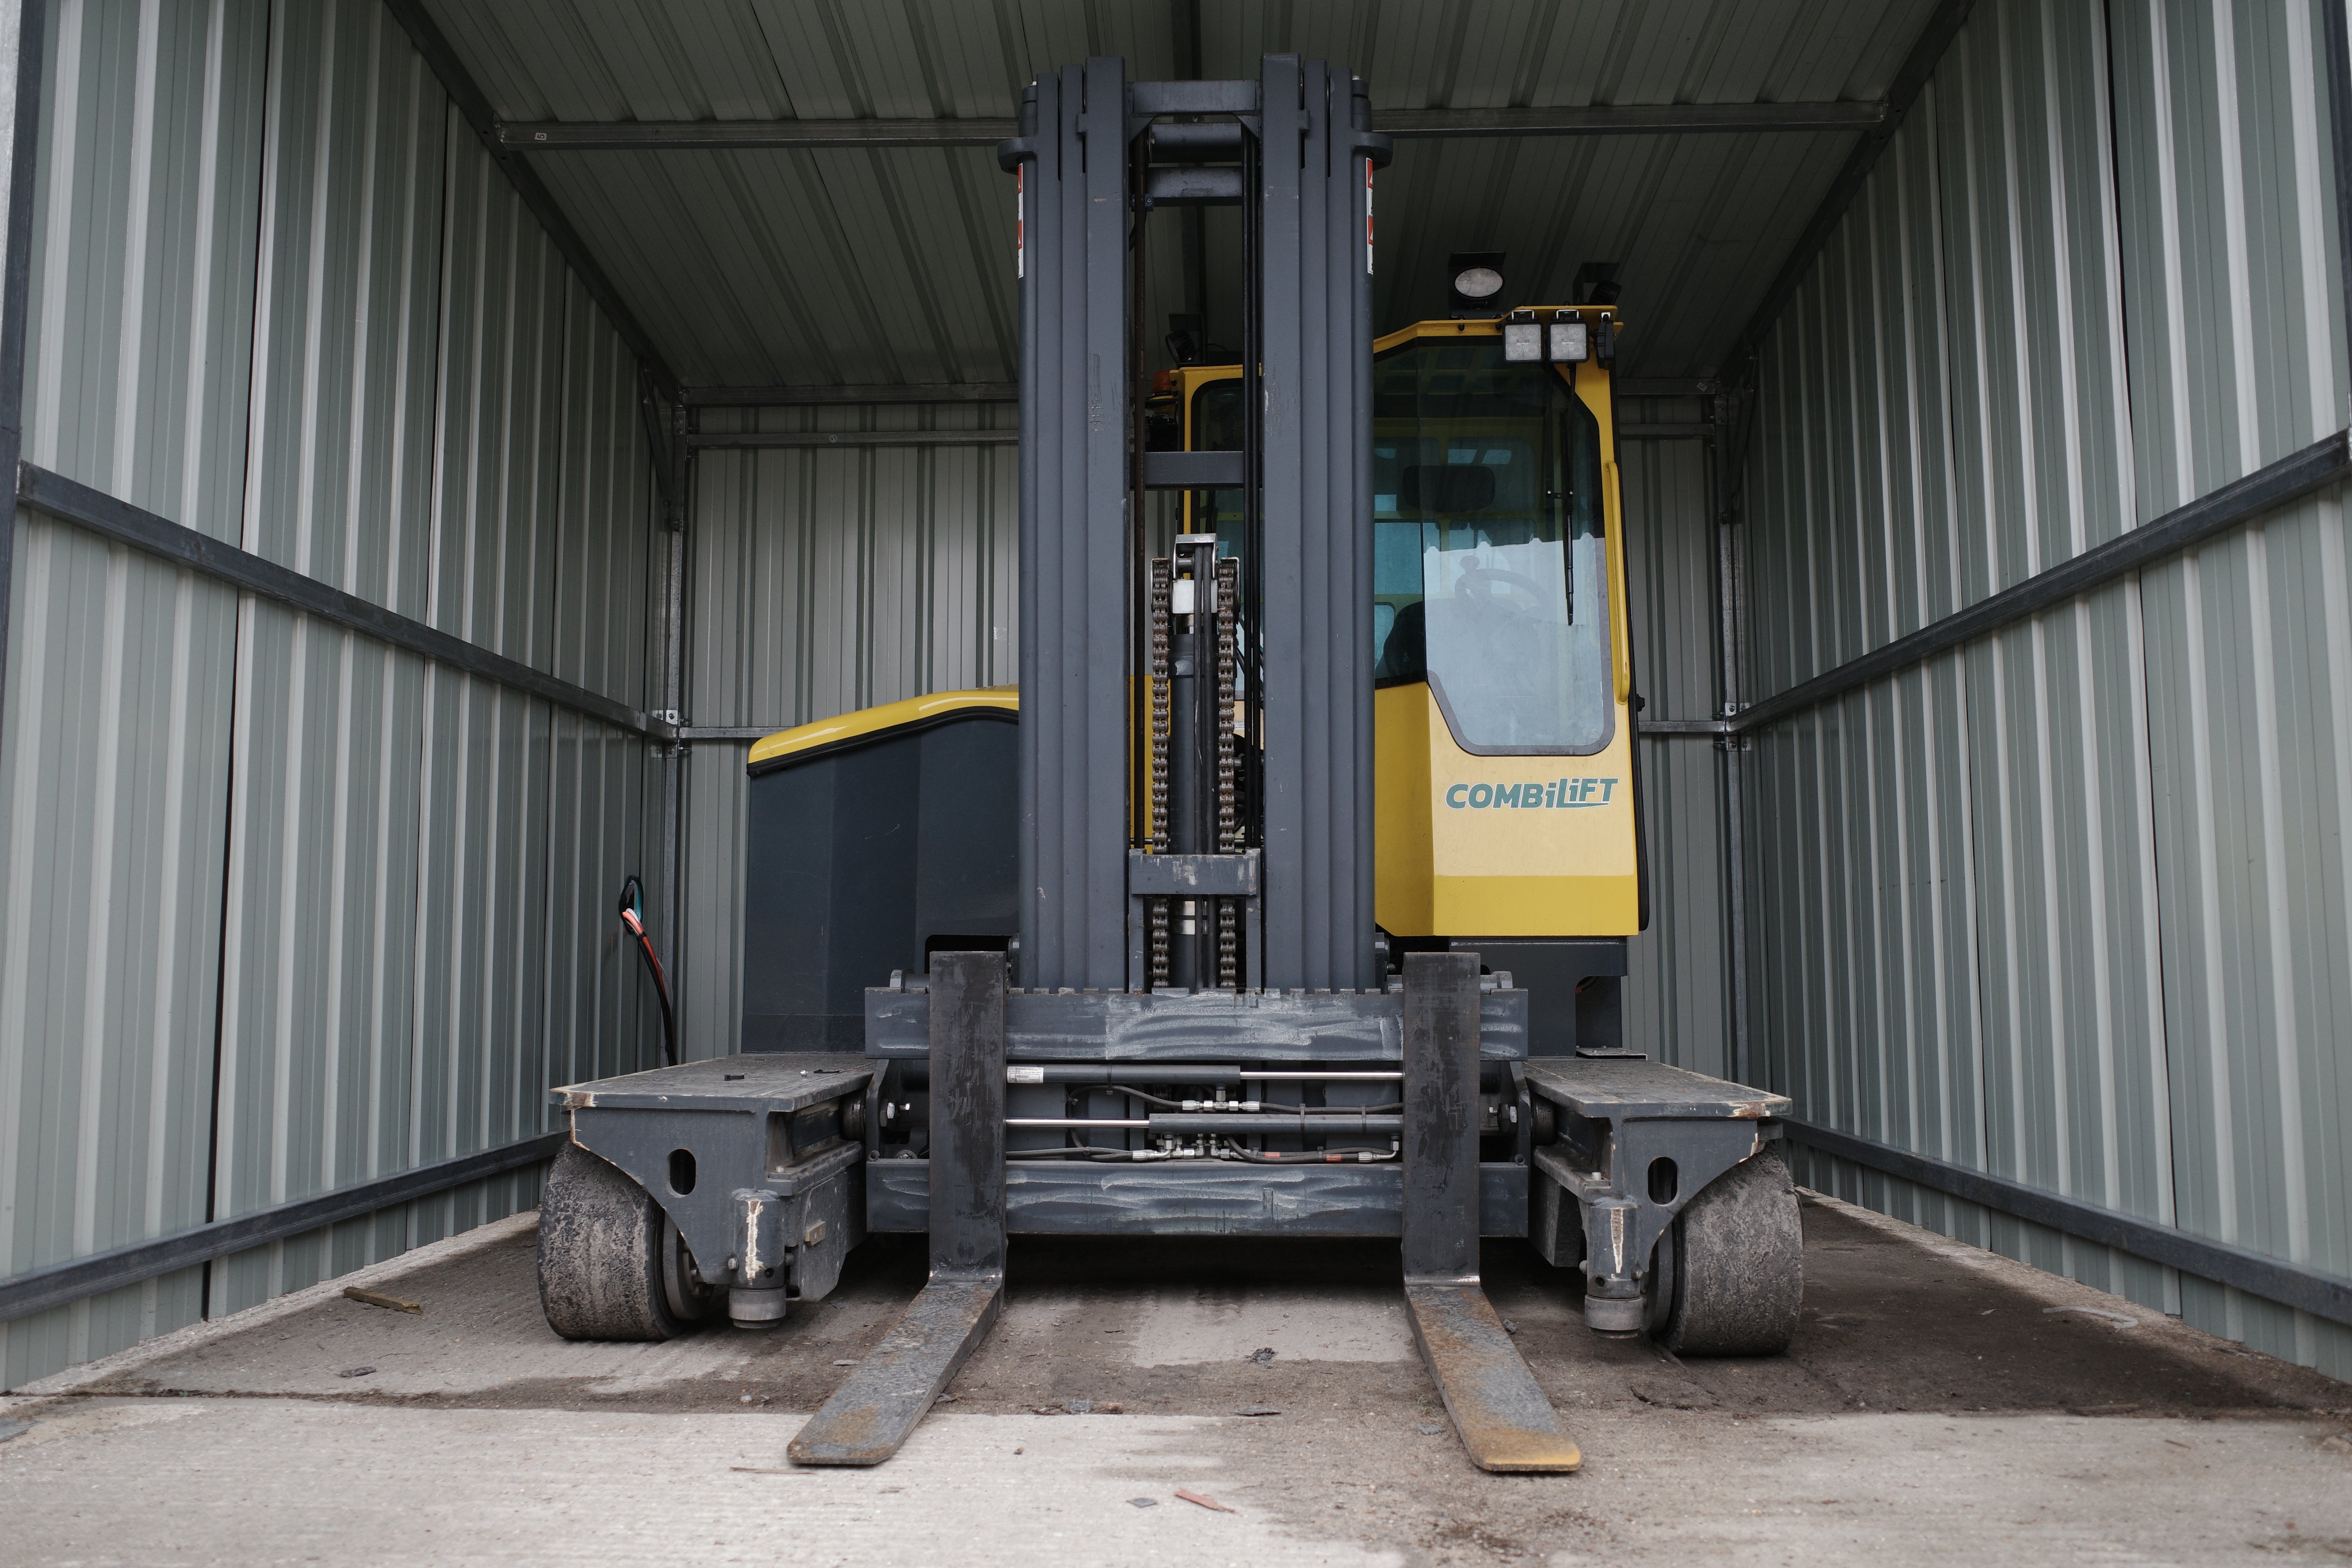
[1738, 1268]
[600, 1253]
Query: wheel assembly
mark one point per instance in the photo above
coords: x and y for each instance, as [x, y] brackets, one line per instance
[611, 1265]
[1730, 1274]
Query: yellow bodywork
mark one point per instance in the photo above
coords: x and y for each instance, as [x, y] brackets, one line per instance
[868, 722]
[1466, 845]
[1448, 859]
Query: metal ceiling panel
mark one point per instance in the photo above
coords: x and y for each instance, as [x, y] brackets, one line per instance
[769, 267]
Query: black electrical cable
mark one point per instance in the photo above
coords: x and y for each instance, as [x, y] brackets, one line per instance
[1266, 1104]
[1232, 1151]
[633, 901]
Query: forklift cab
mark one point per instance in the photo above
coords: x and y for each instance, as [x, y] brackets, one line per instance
[1505, 802]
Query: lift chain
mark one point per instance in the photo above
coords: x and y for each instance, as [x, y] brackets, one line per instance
[1228, 766]
[1228, 757]
[1162, 587]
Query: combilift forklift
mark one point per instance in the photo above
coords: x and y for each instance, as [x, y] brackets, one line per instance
[1288, 895]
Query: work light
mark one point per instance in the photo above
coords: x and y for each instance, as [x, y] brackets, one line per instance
[1477, 282]
[1523, 338]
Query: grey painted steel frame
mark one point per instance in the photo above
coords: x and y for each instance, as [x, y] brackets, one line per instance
[61, 1283]
[1188, 1026]
[2292, 1285]
[1074, 527]
[1195, 1197]
[1622, 1220]
[1440, 1057]
[1315, 592]
[634, 1122]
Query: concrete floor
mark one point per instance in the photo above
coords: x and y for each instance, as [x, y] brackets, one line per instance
[1940, 1405]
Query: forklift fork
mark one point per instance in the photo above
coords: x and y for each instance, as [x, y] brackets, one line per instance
[876, 1409]
[1503, 1417]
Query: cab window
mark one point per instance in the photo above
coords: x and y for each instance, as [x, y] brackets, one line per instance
[1489, 578]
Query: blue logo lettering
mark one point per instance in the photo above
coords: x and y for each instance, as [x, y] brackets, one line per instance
[1555, 793]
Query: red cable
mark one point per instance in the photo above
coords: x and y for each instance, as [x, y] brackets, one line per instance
[661, 984]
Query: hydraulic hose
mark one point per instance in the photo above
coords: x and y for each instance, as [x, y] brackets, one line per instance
[633, 901]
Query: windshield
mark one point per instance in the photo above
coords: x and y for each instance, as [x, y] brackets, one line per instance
[1489, 562]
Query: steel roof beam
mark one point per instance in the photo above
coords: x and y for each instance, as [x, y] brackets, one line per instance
[1629, 119]
[803, 396]
[1590, 119]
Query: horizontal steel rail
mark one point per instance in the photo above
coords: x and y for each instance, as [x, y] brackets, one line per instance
[706, 441]
[824, 396]
[1679, 430]
[70, 501]
[1663, 386]
[721, 135]
[2265, 490]
[727, 731]
[1010, 392]
[62, 1283]
[2295, 1285]
[1574, 120]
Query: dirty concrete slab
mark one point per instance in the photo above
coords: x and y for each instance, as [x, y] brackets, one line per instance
[288, 1480]
[1940, 1403]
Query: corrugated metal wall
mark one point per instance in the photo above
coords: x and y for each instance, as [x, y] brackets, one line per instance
[2070, 905]
[289, 909]
[1678, 991]
[823, 581]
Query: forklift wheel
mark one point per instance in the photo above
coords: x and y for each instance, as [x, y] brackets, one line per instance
[1737, 1270]
[611, 1265]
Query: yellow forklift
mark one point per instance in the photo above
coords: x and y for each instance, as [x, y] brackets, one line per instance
[1288, 893]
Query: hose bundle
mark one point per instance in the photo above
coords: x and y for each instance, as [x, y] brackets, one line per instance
[633, 903]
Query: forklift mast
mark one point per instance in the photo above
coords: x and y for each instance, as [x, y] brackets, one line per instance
[1292, 866]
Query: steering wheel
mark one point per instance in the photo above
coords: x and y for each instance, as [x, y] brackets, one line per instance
[1482, 585]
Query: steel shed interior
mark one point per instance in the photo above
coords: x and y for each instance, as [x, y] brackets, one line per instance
[445, 435]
